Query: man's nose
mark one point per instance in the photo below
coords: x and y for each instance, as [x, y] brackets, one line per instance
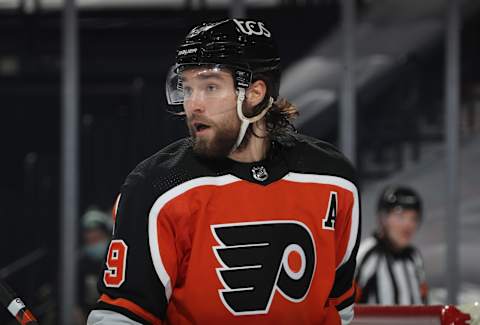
[195, 103]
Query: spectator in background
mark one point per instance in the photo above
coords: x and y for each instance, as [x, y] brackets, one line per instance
[389, 268]
[96, 234]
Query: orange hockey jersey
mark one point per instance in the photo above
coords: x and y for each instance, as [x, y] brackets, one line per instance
[222, 242]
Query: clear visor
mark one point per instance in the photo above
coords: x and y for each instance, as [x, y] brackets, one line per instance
[205, 82]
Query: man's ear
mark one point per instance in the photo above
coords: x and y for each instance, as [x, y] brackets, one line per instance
[256, 93]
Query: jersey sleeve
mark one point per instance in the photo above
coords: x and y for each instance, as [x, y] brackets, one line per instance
[130, 284]
[347, 230]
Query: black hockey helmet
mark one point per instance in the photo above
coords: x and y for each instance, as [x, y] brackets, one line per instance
[399, 197]
[246, 47]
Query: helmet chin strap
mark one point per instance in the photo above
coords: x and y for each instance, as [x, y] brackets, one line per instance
[245, 121]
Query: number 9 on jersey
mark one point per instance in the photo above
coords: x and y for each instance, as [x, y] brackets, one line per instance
[114, 275]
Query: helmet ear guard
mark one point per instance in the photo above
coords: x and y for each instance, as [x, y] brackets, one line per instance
[242, 78]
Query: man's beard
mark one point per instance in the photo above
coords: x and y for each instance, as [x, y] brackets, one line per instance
[222, 141]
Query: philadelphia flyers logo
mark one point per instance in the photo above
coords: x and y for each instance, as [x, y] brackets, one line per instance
[256, 259]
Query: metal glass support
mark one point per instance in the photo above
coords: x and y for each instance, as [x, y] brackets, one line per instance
[347, 98]
[452, 108]
[69, 163]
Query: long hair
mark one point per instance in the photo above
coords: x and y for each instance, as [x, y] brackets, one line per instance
[280, 116]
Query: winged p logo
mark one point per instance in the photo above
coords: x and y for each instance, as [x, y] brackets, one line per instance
[254, 258]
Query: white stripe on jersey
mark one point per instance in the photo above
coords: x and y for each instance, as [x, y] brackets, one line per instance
[345, 184]
[368, 269]
[157, 207]
[402, 283]
[108, 317]
[384, 283]
[365, 246]
[114, 212]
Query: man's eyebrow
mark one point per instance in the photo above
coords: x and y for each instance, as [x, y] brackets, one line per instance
[207, 75]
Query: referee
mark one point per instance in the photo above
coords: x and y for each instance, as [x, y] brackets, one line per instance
[389, 269]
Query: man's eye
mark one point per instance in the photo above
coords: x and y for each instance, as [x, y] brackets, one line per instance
[212, 87]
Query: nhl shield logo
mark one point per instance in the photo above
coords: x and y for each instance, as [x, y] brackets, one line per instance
[259, 173]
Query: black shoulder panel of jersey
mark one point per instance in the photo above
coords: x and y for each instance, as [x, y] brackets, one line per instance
[311, 155]
[163, 160]
[169, 167]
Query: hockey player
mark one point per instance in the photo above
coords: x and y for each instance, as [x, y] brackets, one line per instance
[246, 221]
[390, 270]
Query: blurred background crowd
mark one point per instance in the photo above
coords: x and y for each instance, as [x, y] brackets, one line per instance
[125, 50]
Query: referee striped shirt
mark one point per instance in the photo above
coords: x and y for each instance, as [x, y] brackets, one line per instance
[389, 278]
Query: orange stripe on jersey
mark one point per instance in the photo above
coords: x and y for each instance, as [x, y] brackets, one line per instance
[132, 307]
[337, 301]
[26, 317]
[358, 291]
